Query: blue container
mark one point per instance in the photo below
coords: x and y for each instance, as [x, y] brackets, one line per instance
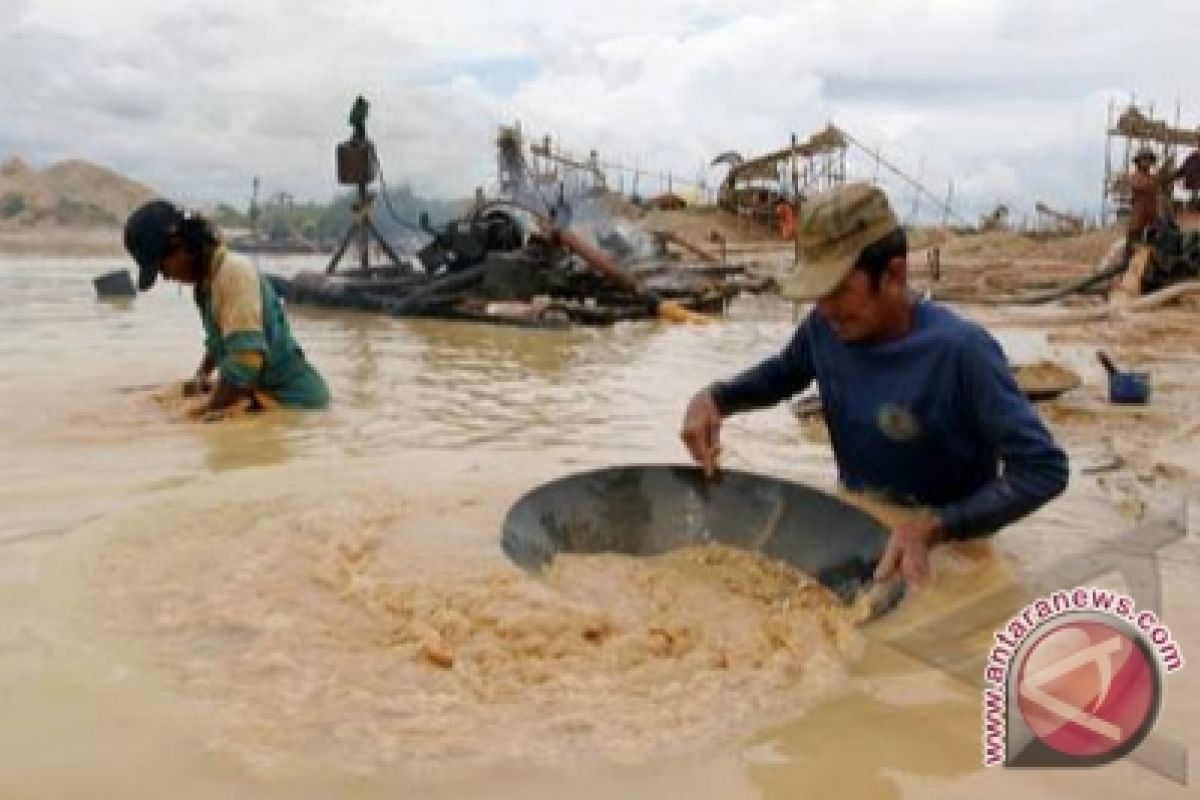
[1129, 388]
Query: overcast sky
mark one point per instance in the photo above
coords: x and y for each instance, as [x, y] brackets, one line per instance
[1006, 97]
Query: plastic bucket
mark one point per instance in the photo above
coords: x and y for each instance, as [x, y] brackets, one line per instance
[1129, 388]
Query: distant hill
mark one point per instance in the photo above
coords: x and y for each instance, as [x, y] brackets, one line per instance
[69, 193]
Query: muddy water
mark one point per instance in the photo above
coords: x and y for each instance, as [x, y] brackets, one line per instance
[316, 605]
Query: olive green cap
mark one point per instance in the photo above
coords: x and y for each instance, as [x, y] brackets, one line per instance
[834, 228]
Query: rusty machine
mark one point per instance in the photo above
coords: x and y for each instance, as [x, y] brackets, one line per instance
[516, 260]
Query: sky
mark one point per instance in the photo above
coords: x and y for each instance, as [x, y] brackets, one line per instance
[1005, 99]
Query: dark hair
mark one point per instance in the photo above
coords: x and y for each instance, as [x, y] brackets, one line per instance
[199, 238]
[875, 257]
[197, 233]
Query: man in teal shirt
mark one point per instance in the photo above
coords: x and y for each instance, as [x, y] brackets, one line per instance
[247, 338]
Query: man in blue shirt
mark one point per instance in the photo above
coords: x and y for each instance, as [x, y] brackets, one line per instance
[920, 403]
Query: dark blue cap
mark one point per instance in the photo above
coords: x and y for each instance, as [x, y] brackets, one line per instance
[147, 232]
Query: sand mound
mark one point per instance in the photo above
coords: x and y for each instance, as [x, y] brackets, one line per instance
[89, 183]
[72, 192]
[1087, 248]
[327, 630]
[1045, 378]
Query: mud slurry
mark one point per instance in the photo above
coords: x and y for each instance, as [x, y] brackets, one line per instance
[335, 631]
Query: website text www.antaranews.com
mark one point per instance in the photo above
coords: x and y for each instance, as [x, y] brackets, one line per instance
[1008, 639]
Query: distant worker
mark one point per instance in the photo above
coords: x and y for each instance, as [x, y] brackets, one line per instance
[247, 339]
[1145, 189]
[920, 403]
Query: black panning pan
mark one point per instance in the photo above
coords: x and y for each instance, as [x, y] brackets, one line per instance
[645, 510]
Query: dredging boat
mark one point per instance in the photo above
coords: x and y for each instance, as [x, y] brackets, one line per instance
[501, 265]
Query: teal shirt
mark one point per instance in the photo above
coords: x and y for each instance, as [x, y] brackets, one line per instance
[244, 302]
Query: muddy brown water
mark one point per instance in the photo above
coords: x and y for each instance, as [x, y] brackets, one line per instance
[317, 605]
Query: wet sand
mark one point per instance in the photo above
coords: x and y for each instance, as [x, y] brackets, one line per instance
[317, 605]
[328, 625]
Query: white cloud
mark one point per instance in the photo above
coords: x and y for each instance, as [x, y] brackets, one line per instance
[1007, 97]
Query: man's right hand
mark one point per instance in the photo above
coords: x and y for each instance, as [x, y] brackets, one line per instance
[702, 431]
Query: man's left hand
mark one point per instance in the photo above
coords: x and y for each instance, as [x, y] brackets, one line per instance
[907, 551]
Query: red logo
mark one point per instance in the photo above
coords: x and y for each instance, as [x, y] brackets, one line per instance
[1088, 688]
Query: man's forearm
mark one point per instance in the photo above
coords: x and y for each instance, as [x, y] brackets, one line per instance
[771, 381]
[1023, 489]
[762, 386]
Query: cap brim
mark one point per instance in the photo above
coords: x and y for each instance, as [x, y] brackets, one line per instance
[812, 280]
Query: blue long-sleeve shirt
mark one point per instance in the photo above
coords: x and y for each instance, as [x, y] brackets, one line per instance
[934, 418]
